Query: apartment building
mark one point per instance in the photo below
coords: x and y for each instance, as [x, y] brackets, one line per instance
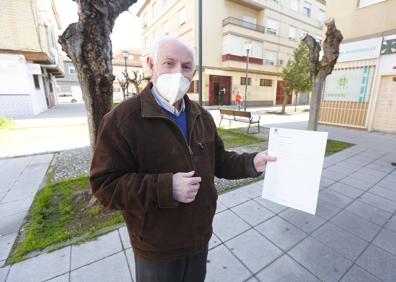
[361, 91]
[29, 56]
[272, 28]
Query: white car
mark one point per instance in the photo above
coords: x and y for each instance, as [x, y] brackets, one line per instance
[69, 98]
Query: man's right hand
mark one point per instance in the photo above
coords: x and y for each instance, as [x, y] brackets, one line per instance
[185, 186]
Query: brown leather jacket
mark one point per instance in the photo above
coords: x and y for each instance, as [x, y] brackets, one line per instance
[137, 151]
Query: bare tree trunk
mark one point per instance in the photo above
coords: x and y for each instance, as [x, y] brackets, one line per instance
[319, 70]
[88, 45]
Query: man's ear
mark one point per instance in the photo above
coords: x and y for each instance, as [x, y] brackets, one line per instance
[150, 63]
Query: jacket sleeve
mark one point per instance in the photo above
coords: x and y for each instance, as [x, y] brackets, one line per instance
[114, 179]
[231, 165]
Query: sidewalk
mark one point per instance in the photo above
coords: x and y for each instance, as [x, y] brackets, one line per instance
[20, 178]
[352, 237]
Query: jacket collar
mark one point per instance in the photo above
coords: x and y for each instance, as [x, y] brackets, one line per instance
[150, 107]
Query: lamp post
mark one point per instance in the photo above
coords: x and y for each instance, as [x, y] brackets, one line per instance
[125, 54]
[248, 47]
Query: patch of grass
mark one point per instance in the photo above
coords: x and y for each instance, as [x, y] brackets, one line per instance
[62, 211]
[6, 123]
[334, 146]
[234, 138]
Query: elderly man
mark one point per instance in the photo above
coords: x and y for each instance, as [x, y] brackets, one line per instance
[155, 160]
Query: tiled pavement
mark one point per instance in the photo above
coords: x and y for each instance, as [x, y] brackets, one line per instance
[352, 237]
[20, 178]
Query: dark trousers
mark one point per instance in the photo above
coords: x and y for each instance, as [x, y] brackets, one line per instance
[191, 268]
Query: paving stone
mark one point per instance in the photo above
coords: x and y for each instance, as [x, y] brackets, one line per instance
[6, 242]
[60, 278]
[14, 207]
[358, 275]
[335, 198]
[379, 202]
[42, 267]
[319, 259]
[378, 262]
[253, 190]
[357, 183]
[97, 249]
[254, 250]
[220, 207]
[369, 212]
[11, 223]
[373, 172]
[223, 266]
[370, 179]
[131, 262]
[339, 240]
[383, 192]
[346, 190]
[227, 225]
[282, 233]
[252, 212]
[4, 273]
[126, 242]
[113, 268]
[304, 221]
[326, 210]
[391, 224]
[214, 242]
[356, 225]
[276, 208]
[233, 198]
[386, 239]
[285, 269]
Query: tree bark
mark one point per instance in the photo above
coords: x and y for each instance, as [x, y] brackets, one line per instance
[88, 45]
[319, 70]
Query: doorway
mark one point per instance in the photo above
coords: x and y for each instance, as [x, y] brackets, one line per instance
[280, 94]
[219, 90]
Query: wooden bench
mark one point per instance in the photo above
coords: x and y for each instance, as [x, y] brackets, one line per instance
[240, 116]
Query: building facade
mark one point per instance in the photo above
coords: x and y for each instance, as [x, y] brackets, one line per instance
[272, 27]
[361, 91]
[68, 87]
[29, 57]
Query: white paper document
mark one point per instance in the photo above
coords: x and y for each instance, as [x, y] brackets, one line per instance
[294, 179]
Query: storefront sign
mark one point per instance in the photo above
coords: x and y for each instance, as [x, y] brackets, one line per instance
[360, 50]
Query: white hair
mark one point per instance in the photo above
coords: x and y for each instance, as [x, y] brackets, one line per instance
[166, 39]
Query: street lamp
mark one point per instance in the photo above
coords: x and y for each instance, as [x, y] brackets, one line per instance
[125, 54]
[248, 47]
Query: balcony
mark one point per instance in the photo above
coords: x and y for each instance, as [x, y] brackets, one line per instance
[241, 23]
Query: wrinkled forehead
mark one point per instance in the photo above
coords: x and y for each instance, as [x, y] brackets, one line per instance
[175, 51]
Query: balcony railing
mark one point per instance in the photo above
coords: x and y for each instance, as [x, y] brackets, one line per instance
[245, 24]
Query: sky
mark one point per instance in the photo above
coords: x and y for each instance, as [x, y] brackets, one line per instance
[126, 31]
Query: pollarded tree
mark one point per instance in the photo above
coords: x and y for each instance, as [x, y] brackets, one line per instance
[296, 75]
[88, 45]
[320, 69]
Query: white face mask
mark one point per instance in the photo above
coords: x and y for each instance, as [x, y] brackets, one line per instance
[172, 86]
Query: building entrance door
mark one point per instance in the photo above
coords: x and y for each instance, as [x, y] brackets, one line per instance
[219, 90]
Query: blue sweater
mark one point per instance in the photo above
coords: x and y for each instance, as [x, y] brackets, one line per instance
[181, 121]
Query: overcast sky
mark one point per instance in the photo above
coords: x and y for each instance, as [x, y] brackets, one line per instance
[126, 31]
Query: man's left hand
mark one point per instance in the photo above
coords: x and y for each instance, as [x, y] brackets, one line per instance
[261, 159]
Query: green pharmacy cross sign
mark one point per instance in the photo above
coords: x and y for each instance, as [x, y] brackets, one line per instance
[343, 82]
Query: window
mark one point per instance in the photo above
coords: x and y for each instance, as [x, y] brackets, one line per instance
[265, 82]
[51, 88]
[166, 28]
[307, 9]
[36, 81]
[321, 16]
[235, 45]
[164, 2]
[182, 16]
[272, 26]
[156, 34]
[193, 87]
[364, 3]
[270, 57]
[292, 33]
[295, 5]
[249, 19]
[243, 81]
[72, 70]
